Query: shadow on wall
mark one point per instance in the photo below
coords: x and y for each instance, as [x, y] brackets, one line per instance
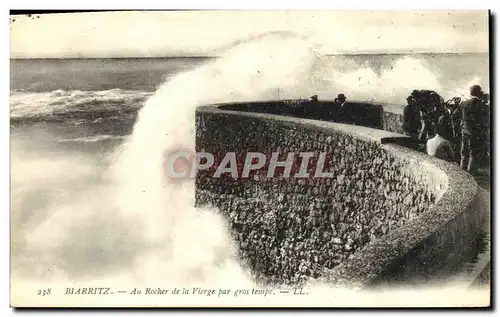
[353, 112]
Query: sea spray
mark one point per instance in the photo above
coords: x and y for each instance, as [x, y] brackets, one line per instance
[253, 71]
[197, 240]
[183, 236]
[132, 226]
[390, 84]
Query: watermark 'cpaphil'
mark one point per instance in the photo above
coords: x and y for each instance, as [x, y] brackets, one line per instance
[182, 164]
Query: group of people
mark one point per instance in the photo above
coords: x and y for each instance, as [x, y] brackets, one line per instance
[451, 127]
[339, 101]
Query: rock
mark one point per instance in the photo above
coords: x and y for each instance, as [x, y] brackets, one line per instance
[337, 241]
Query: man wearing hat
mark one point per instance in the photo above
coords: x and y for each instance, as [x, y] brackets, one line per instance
[340, 100]
[474, 125]
[341, 109]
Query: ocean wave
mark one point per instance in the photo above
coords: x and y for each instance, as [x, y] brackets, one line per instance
[95, 138]
[25, 104]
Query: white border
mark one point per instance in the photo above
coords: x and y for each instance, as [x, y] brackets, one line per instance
[187, 4]
[253, 5]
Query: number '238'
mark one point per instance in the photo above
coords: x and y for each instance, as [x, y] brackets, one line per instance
[44, 292]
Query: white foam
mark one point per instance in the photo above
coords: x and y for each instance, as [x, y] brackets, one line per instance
[92, 139]
[33, 104]
[133, 226]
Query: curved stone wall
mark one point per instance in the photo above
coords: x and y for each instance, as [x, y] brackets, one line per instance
[392, 118]
[388, 213]
[388, 117]
[354, 112]
[434, 241]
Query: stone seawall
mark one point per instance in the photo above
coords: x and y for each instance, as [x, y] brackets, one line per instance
[290, 230]
[388, 117]
[434, 240]
[353, 112]
[392, 118]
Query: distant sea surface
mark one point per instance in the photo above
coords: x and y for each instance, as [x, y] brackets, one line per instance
[105, 94]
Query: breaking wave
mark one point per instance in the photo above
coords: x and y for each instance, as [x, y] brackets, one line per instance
[97, 138]
[125, 224]
[39, 104]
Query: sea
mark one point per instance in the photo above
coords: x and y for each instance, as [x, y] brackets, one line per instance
[88, 201]
[98, 92]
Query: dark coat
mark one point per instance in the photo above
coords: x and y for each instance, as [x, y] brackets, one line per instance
[456, 119]
[412, 121]
[474, 117]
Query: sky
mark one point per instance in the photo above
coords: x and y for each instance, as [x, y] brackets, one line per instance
[207, 33]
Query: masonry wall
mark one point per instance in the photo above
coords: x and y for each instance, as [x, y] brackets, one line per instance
[291, 230]
[392, 118]
[434, 242]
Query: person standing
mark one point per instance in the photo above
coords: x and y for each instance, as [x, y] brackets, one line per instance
[444, 119]
[342, 111]
[474, 121]
[411, 118]
[455, 113]
[427, 116]
[340, 100]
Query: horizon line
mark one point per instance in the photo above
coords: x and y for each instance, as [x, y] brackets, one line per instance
[216, 56]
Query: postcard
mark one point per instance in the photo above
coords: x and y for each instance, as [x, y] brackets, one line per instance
[250, 159]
